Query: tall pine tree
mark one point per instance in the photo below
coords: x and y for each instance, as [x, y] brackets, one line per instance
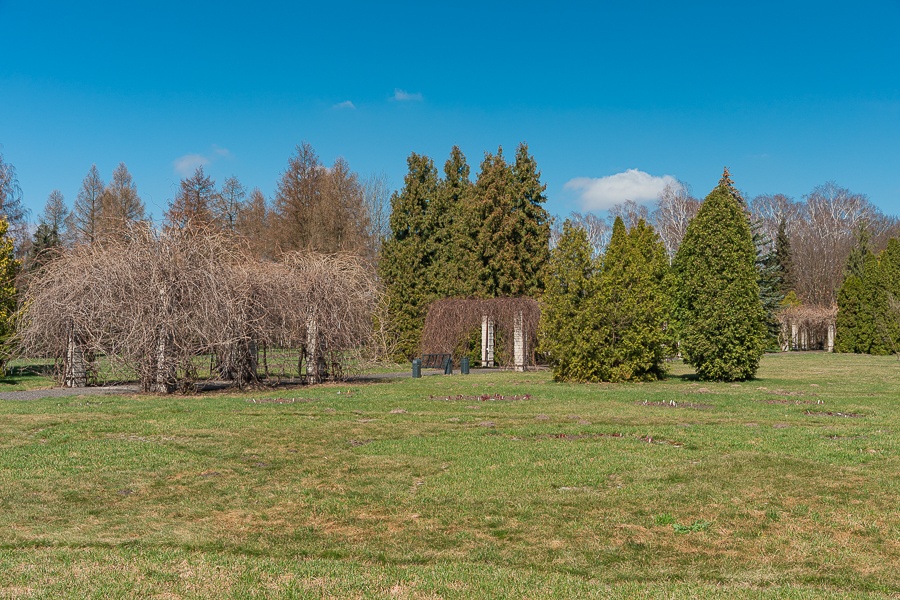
[719, 315]
[408, 254]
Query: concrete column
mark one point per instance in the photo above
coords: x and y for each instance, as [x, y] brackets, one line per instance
[487, 341]
[75, 370]
[519, 342]
[829, 344]
[795, 338]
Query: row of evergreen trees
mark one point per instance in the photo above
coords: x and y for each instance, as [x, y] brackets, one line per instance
[452, 237]
[617, 317]
[868, 319]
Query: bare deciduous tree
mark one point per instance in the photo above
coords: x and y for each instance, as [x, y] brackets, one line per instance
[121, 206]
[675, 208]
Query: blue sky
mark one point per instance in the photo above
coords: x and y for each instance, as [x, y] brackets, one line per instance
[788, 95]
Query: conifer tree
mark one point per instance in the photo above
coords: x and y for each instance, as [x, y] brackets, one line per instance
[511, 228]
[631, 305]
[854, 324]
[565, 327]
[407, 255]
[447, 216]
[121, 206]
[9, 269]
[194, 201]
[785, 259]
[719, 315]
[88, 206]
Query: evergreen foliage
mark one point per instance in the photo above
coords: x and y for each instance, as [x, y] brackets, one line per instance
[9, 269]
[510, 227]
[769, 278]
[606, 321]
[632, 305]
[408, 254]
[868, 319]
[449, 237]
[566, 306]
[720, 319]
[784, 258]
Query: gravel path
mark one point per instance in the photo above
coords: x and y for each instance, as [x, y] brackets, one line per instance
[133, 389]
[64, 392]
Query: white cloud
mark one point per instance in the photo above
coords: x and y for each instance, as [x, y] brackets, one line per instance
[187, 164]
[223, 152]
[601, 193]
[404, 96]
[346, 104]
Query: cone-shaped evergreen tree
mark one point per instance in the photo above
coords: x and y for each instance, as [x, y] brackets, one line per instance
[631, 304]
[720, 319]
[566, 306]
[606, 322]
[855, 325]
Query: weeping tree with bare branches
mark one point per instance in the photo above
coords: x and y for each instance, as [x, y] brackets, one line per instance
[154, 302]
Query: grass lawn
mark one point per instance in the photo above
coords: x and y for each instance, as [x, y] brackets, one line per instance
[487, 486]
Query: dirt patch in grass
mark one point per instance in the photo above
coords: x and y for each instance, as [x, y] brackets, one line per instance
[483, 397]
[795, 402]
[673, 404]
[833, 414]
[279, 400]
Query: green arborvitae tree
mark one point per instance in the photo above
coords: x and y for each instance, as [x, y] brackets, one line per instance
[9, 269]
[606, 321]
[720, 318]
[631, 305]
[407, 255]
[854, 324]
[886, 301]
[566, 319]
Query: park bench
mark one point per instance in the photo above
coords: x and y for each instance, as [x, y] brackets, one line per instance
[438, 361]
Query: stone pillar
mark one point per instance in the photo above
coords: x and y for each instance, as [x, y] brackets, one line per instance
[795, 338]
[519, 342]
[487, 341]
[829, 343]
[75, 372]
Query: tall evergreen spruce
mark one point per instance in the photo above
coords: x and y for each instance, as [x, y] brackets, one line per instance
[510, 228]
[447, 215]
[720, 318]
[407, 255]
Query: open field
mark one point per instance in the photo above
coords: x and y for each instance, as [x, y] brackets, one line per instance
[492, 485]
